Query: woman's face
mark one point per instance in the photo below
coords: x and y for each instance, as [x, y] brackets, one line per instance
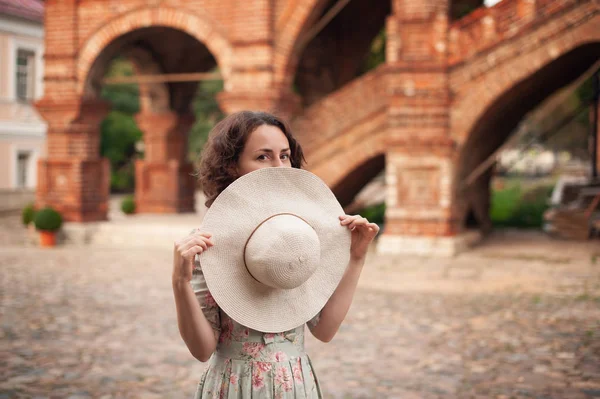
[266, 147]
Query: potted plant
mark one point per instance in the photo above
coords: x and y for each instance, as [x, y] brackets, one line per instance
[128, 205]
[27, 215]
[47, 222]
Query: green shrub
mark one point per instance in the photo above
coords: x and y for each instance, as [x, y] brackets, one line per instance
[28, 214]
[128, 205]
[47, 219]
[374, 213]
[516, 206]
[122, 180]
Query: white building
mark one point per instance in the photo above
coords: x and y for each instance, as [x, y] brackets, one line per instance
[22, 131]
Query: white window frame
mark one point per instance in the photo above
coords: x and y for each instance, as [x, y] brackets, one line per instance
[31, 169]
[14, 45]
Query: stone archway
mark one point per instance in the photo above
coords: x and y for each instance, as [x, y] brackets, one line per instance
[201, 28]
[75, 179]
[500, 119]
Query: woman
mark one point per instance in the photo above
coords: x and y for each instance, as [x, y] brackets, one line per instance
[242, 143]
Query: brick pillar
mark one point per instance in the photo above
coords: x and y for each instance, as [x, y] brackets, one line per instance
[164, 181]
[251, 85]
[73, 178]
[421, 155]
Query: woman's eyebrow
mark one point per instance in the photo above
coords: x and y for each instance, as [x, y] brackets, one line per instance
[270, 150]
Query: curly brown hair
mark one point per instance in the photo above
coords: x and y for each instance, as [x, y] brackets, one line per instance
[226, 142]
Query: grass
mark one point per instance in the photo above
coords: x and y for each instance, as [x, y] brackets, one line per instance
[518, 204]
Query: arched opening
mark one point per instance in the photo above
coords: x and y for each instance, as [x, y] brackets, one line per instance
[172, 117]
[349, 45]
[462, 8]
[500, 121]
[351, 185]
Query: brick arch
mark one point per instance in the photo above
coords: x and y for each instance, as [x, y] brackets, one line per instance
[503, 113]
[478, 86]
[201, 28]
[347, 162]
[294, 19]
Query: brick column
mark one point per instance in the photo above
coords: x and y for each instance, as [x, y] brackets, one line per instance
[73, 178]
[421, 155]
[251, 85]
[164, 181]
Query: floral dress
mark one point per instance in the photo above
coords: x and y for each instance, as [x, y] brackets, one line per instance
[252, 364]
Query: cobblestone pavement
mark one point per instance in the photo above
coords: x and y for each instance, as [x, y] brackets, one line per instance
[518, 317]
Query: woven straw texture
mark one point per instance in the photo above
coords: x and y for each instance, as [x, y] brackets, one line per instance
[233, 217]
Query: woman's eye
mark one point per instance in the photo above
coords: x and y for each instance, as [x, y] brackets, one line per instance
[285, 156]
[262, 157]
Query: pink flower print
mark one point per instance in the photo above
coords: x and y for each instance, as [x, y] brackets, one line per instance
[269, 335]
[258, 381]
[233, 379]
[263, 366]
[226, 330]
[252, 348]
[209, 300]
[283, 379]
[280, 357]
[297, 373]
[243, 333]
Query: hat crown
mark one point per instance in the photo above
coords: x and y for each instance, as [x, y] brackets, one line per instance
[283, 252]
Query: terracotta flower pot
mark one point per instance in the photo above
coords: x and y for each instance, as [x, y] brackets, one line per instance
[47, 238]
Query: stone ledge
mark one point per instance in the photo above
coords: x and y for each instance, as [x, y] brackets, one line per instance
[428, 246]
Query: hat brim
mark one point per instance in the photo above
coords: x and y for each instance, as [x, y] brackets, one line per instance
[232, 218]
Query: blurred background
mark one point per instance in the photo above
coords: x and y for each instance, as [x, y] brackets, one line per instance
[467, 129]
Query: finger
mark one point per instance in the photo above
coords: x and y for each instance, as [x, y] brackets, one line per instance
[359, 222]
[349, 219]
[190, 237]
[198, 240]
[193, 251]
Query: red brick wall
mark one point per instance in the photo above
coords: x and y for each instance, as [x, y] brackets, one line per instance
[441, 78]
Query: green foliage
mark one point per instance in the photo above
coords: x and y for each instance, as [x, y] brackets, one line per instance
[207, 113]
[128, 205]
[119, 135]
[124, 98]
[515, 206]
[28, 214]
[374, 213]
[122, 180]
[376, 54]
[119, 131]
[47, 219]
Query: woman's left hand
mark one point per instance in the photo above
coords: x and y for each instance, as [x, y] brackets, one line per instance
[363, 233]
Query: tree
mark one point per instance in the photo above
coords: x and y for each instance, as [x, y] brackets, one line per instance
[207, 112]
[119, 132]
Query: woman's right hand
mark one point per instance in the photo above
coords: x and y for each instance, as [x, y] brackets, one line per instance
[184, 253]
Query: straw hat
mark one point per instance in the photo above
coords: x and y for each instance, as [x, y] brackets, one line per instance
[279, 251]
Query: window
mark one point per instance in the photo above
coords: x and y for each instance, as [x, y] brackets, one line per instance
[25, 75]
[23, 160]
